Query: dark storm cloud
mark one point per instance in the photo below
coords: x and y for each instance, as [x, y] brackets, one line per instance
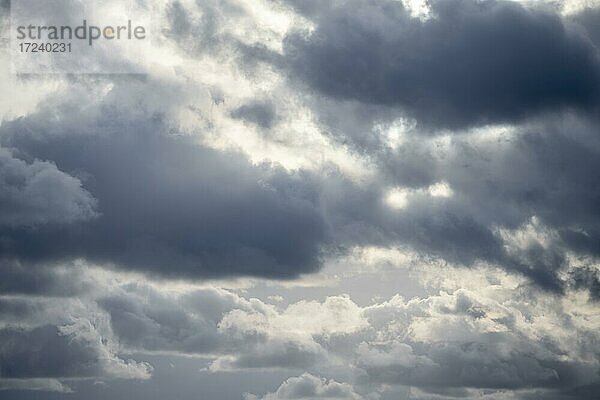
[167, 205]
[165, 222]
[472, 63]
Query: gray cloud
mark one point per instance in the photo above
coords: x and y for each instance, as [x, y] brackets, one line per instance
[167, 205]
[453, 342]
[38, 192]
[145, 319]
[260, 113]
[61, 352]
[307, 386]
[35, 384]
[184, 210]
[462, 341]
[120, 172]
[19, 278]
[201, 33]
[472, 63]
[500, 180]
[55, 356]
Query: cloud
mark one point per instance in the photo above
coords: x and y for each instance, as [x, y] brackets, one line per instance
[588, 18]
[69, 351]
[308, 386]
[38, 193]
[519, 197]
[61, 281]
[492, 339]
[289, 338]
[459, 145]
[261, 113]
[148, 320]
[36, 384]
[460, 339]
[186, 207]
[168, 205]
[45, 340]
[471, 63]
[483, 329]
[237, 333]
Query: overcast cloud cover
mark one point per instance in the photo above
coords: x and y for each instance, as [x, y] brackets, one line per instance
[309, 199]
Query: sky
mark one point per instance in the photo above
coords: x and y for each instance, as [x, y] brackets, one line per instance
[306, 199]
